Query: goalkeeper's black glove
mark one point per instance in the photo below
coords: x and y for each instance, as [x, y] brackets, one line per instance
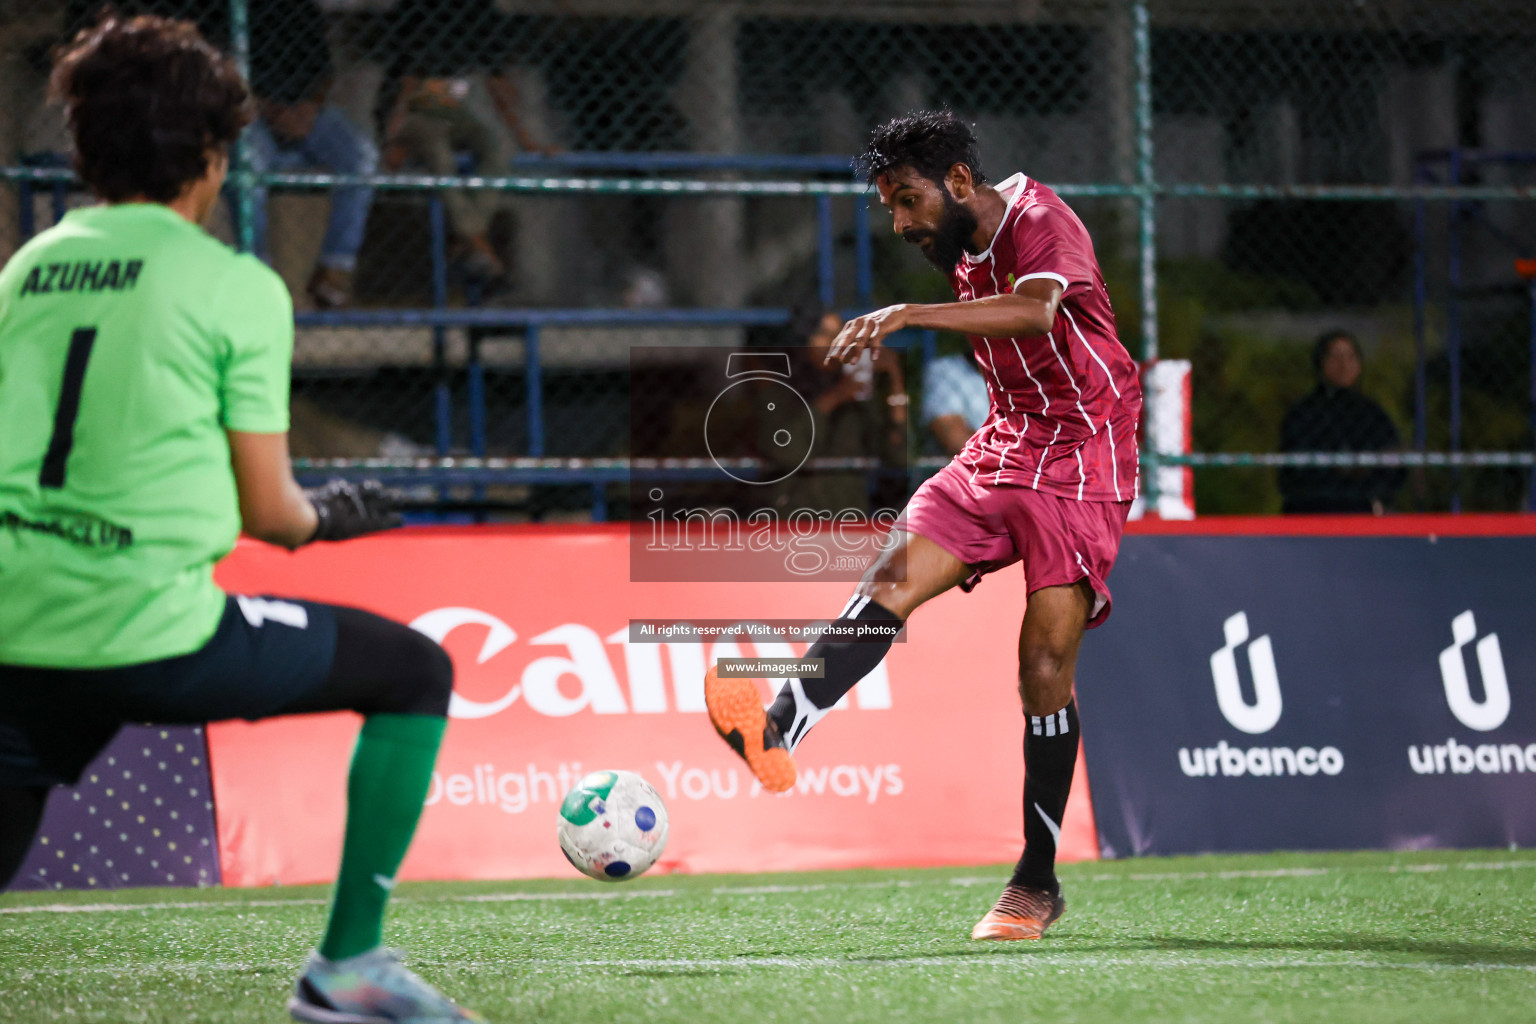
[346, 509]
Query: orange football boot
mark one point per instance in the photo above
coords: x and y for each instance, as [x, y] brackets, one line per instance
[1021, 912]
[736, 709]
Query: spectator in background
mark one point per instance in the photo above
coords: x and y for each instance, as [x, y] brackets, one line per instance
[439, 51]
[295, 129]
[955, 401]
[1336, 417]
[854, 416]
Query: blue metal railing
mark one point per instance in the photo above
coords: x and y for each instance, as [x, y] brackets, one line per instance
[440, 317]
[1450, 167]
[529, 322]
[725, 177]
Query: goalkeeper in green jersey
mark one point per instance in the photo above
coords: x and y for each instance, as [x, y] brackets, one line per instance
[144, 372]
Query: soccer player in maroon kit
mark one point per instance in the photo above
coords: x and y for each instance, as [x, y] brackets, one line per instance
[1047, 481]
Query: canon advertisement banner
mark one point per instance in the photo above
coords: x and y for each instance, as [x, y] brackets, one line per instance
[555, 678]
[1262, 693]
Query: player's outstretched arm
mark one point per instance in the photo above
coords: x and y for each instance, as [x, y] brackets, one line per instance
[274, 508]
[1025, 313]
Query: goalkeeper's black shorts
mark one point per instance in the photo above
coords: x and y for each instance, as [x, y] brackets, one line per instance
[268, 657]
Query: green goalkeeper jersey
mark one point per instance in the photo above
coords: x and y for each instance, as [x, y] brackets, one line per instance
[130, 341]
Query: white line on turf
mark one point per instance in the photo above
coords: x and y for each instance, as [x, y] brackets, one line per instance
[769, 890]
[238, 904]
[763, 890]
[519, 897]
[1175, 876]
[1033, 961]
[1181, 875]
[109, 908]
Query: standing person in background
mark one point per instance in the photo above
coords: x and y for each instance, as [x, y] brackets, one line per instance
[145, 403]
[955, 401]
[1336, 417]
[439, 52]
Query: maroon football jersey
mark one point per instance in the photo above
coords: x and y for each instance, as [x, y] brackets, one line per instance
[1065, 405]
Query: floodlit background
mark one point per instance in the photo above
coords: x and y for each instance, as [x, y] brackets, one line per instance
[1254, 172]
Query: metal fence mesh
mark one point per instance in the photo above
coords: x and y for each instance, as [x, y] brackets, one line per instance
[1287, 138]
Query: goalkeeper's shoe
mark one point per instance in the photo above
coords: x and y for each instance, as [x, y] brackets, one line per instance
[736, 709]
[1021, 912]
[370, 988]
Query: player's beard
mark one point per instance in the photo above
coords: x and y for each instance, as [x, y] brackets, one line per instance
[951, 238]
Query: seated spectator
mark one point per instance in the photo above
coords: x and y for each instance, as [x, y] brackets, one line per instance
[439, 53]
[297, 130]
[955, 400]
[1336, 417]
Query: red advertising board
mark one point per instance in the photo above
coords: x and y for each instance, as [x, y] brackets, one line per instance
[923, 767]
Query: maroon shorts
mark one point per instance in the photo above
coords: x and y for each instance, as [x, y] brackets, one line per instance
[1059, 540]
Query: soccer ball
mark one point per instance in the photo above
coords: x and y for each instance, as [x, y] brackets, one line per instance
[613, 826]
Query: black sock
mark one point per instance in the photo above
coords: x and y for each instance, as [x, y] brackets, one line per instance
[1050, 755]
[802, 702]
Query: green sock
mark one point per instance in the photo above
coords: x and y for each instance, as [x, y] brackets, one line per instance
[391, 772]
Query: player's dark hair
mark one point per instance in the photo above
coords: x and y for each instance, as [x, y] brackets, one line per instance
[928, 141]
[148, 99]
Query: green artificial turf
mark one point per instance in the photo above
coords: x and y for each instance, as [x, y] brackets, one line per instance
[1358, 938]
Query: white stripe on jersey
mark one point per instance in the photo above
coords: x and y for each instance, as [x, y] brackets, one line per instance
[1045, 403]
[1015, 344]
[1073, 381]
[1114, 467]
[1002, 461]
[1071, 320]
[1065, 284]
[1082, 474]
[1018, 437]
[1043, 453]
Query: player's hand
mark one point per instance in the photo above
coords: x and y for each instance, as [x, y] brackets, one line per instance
[863, 332]
[346, 509]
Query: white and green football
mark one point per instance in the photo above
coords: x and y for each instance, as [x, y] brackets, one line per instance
[613, 826]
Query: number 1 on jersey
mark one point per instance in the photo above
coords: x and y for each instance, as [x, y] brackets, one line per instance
[63, 438]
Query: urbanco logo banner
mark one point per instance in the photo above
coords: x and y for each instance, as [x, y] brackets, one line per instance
[1258, 693]
[1491, 711]
[551, 683]
[1261, 715]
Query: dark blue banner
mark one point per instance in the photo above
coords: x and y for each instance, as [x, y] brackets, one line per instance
[1263, 693]
[141, 815]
